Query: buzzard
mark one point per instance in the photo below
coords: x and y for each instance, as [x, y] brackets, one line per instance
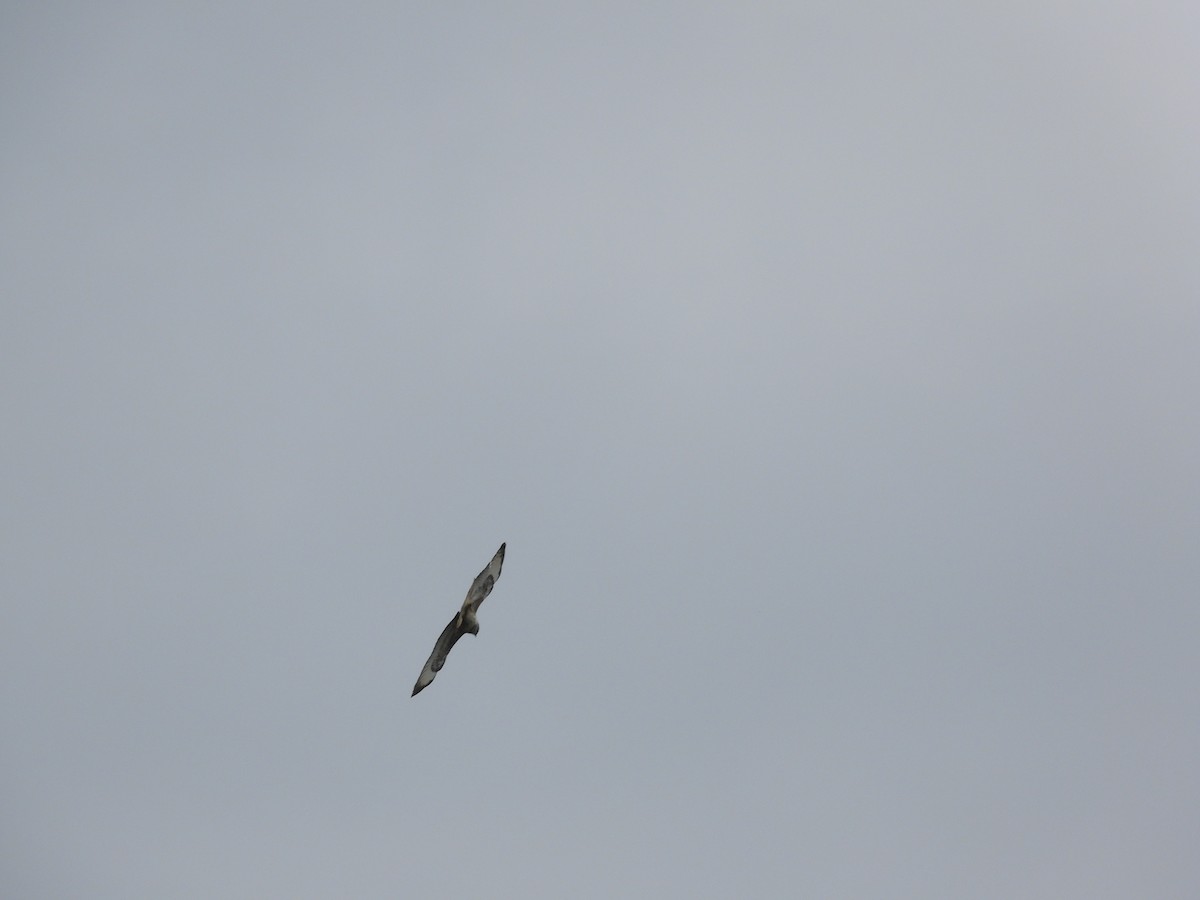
[464, 621]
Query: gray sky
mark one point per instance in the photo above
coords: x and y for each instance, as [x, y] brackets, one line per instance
[831, 371]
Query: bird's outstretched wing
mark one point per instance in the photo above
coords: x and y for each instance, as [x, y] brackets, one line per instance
[448, 638]
[462, 622]
[485, 581]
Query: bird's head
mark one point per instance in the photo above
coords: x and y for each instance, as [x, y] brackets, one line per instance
[472, 627]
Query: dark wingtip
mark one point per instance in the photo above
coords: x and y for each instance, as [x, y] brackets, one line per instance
[418, 688]
[501, 550]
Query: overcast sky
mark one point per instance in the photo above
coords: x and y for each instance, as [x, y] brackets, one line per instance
[830, 369]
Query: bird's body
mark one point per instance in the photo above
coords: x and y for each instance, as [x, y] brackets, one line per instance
[465, 621]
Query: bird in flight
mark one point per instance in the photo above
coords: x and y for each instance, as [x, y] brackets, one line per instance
[464, 621]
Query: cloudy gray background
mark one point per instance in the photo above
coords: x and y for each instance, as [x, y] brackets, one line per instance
[830, 371]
